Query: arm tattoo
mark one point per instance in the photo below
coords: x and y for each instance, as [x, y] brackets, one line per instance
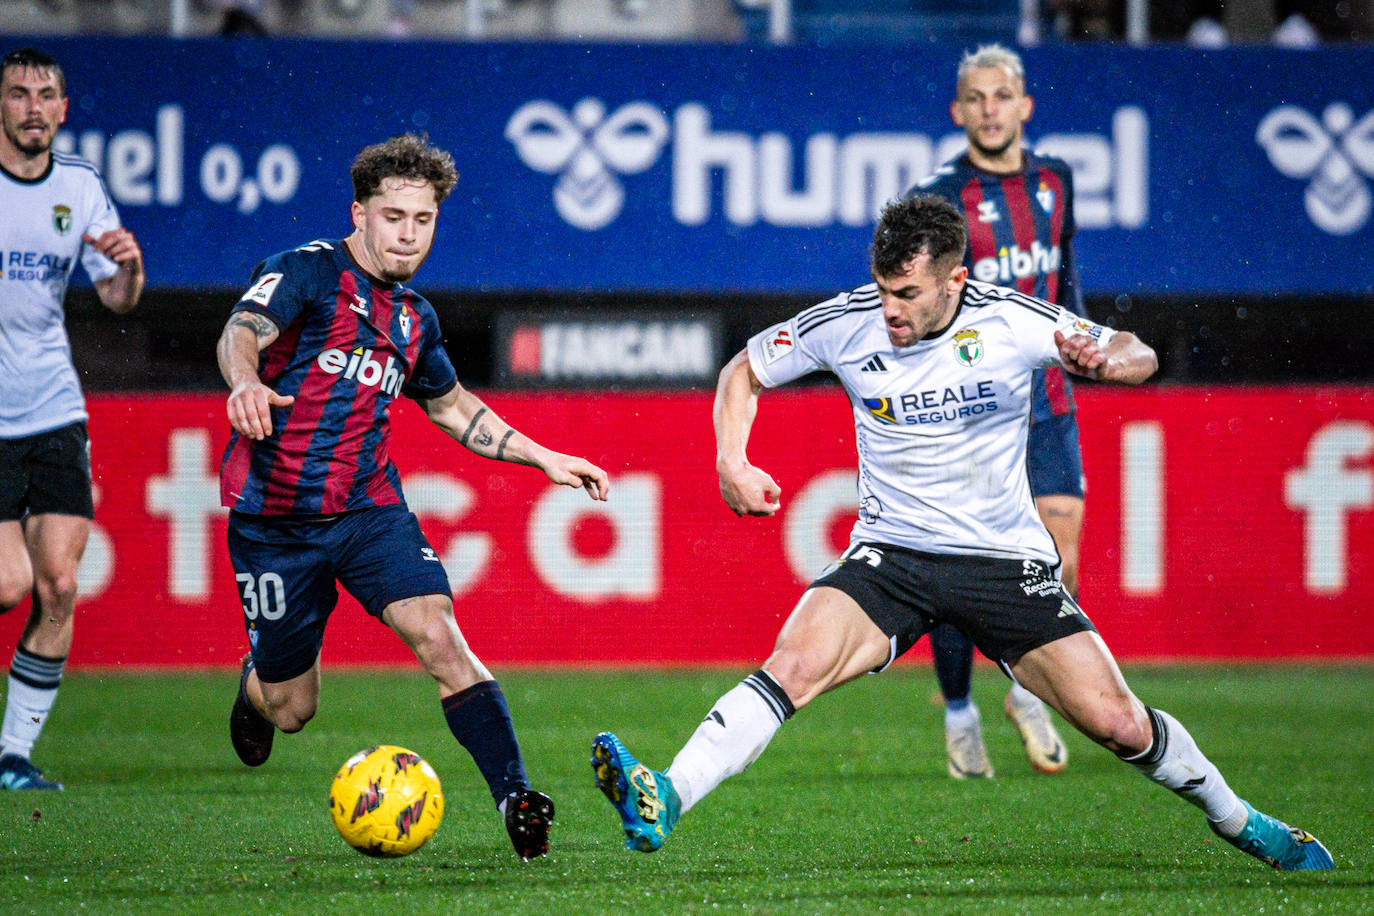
[468, 432]
[484, 436]
[260, 325]
[501, 449]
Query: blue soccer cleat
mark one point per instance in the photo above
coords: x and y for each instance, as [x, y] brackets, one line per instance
[647, 802]
[1275, 843]
[17, 772]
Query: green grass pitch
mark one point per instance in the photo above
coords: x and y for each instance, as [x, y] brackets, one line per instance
[848, 811]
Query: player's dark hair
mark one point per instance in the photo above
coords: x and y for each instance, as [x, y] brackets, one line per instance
[32, 58]
[925, 224]
[408, 156]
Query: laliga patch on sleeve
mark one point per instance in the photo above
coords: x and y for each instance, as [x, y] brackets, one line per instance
[1087, 327]
[778, 344]
[261, 292]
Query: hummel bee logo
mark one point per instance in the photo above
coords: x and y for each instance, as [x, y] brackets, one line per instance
[359, 305]
[428, 554]
[875, 364]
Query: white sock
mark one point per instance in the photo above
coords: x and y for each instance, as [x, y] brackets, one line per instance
[731, 737]
[1174, 761]
[33, 684]
[1022, 697]
[960, 719]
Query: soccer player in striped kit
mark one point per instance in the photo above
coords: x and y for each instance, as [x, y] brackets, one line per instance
[54, 213]
[1019, 210]
[315, 352]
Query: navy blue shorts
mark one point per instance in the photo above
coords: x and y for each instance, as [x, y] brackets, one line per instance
[1053, 459]
[287, 569]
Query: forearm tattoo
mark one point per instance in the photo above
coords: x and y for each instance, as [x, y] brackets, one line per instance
[501, 449]
[467, 433]
[260, 325]
[483, 437]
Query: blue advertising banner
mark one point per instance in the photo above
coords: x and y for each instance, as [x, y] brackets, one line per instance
[725, 168]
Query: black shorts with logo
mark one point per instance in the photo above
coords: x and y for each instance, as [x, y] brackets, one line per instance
[1006, 606]
[46, 472]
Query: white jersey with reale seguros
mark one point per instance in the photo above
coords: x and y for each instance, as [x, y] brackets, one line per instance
[941, 425]
[41, 224]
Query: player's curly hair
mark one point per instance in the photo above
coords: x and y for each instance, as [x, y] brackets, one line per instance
[923, 224]
[408, 156]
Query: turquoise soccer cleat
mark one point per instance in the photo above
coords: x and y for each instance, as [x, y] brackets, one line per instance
[646, 800]
[1275, 843]
[16, 772]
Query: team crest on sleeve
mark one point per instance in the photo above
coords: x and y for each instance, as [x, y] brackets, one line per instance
[778, 344]
[968, 347]
[261, 292]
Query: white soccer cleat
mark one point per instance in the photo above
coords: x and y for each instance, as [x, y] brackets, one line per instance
[1044, 749]
[968, 757]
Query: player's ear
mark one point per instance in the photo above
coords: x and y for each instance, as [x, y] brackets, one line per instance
[1027, 108]
[956, 114]
[359, 214]
[956, 279]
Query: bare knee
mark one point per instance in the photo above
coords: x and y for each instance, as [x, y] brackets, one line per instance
[1121, 725]
[799, 675]
[14, 588]
[291, 714]
[57, 594]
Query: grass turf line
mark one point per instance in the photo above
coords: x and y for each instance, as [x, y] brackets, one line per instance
[848, 810]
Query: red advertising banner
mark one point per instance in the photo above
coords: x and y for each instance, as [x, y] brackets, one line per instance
[1227, 525]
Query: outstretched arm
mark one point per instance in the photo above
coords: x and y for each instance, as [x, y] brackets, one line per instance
[250, 405]
[120, 292]
[745, 489]
[1125, 359]
[462, 415]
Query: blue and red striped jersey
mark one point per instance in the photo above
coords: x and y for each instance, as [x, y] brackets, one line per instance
[1020, 235]
[349, 344]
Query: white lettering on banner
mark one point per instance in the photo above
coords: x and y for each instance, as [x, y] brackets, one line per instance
[445, 497]
[1111, 177]
[807, 522]
[97, 563]
[188, 497]
[142, 168]
[1142, 508]
[1325, 489]
[626, 349]
[633, 568]
[847, 179]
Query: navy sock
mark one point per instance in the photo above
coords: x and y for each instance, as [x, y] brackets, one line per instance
[953, 661]
[480, 720]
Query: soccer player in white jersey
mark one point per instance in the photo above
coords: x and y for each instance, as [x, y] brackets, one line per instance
[937, 369]
[54, 212]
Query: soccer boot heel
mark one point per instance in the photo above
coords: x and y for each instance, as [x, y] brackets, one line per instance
[249, 732]
[529, 815]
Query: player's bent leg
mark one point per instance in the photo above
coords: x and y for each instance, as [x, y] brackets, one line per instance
[1077, 673]
[425, 623]
[477, 714]
[16, 572]
[826, 641]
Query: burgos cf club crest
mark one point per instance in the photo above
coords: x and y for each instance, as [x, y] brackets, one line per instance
[968, 347]
[62, 218]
